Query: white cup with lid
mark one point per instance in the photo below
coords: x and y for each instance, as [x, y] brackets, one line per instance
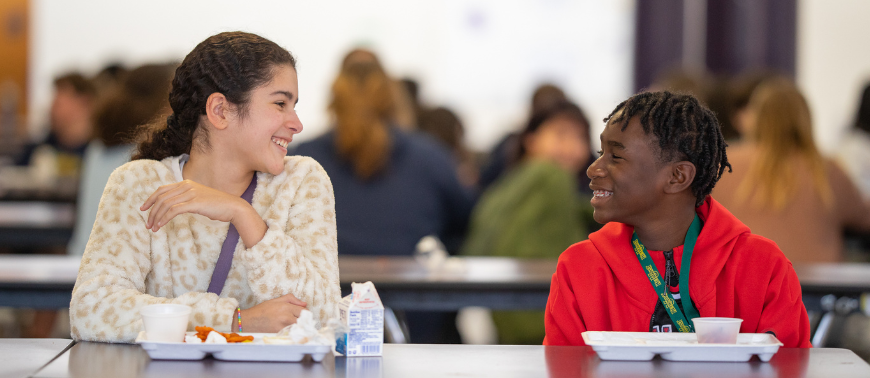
[165, 322]
[717, 330]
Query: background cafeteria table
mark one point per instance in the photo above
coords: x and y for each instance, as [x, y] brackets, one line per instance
[32, 224]
[44, 281]
[35, 215]
[98, 360]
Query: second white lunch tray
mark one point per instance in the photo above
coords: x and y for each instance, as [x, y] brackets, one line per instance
[643, 346]
[253, 351]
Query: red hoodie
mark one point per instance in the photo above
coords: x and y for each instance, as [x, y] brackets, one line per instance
[599, 284]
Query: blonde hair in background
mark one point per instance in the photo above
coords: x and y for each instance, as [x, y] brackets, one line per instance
[783, 129]
[362, 103]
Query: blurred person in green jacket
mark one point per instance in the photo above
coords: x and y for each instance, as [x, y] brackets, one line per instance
[539, 208]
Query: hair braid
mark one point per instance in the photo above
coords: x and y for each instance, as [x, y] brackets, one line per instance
[684, 130]
[231, 63]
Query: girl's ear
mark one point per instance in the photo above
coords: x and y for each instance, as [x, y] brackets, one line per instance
[217, 110]
[682, 176]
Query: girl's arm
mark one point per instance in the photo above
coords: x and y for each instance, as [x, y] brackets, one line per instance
[121, 255]
[299, 252]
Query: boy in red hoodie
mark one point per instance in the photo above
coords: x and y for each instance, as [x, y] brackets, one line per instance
[668, 252]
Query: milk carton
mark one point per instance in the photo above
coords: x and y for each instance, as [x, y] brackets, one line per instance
[363, 313]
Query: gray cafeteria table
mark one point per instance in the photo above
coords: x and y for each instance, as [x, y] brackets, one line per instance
[98, 360]
[21, 357]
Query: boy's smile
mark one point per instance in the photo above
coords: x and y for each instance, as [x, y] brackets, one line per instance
[628, 178]
[600, 196]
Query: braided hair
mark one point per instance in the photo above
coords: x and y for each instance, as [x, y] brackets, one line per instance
[685, 130]
[230, 63]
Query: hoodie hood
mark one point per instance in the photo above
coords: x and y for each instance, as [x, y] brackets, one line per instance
[715, 244]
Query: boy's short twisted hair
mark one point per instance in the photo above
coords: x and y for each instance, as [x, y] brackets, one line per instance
[685, 130]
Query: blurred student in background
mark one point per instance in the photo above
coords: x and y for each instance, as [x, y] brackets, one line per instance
[142, 95]
[711, 91]
[392, 187]
[680, 80]
[545, 97]
[70, 124]
[738, 113]
[62, 149]
[781, 186]
[536, 210]
[108, 79]
[136, 99]
[445, 126]
[411, 89]
[854, 152]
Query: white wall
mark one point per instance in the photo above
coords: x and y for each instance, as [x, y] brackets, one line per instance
[833, 63]
[480, 57]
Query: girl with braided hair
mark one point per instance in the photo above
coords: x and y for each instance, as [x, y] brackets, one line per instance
[211, 213]
[662, 154]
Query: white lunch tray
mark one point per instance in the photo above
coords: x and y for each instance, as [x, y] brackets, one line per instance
[643, 346]
[253, 351]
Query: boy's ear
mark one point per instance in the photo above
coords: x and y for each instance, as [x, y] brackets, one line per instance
[217, 110]
[682, 176]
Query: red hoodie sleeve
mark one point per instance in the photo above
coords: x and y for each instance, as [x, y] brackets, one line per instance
[562, 319]
[784, 313]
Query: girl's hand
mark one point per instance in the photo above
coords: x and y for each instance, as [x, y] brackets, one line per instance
[190, 197]
[272, 315]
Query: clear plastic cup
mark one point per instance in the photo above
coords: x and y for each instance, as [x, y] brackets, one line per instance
[165, 322]
[717, 330]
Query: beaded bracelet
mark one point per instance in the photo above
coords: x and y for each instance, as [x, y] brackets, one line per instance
[239, 311]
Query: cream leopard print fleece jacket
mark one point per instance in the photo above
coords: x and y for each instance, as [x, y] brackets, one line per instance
[126, 266]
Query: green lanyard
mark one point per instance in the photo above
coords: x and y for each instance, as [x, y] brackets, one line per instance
[655, 278]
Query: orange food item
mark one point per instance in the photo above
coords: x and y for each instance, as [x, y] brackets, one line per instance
[202, 333]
